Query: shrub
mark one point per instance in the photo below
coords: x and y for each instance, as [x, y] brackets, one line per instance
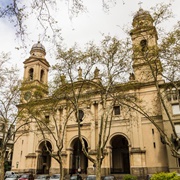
[129, 177]
[165, 176]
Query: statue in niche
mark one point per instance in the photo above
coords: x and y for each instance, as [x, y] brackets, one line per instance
[96, 73]
[63, 78]
[132, 77]
[79, 73]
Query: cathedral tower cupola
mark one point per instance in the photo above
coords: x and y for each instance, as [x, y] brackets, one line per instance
[36, 69]
[145, 49]
[142, 18]
[38, 50]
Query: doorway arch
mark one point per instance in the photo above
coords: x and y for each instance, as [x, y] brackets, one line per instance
[44, 158]
[78, 161]
[120, 155]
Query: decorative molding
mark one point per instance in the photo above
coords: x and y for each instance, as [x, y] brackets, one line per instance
[137, 150]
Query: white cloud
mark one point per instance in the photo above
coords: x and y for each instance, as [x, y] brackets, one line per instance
[85, 27]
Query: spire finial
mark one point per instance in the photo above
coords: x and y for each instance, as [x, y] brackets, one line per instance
[140, 3]
[79, 74]
[39, 38]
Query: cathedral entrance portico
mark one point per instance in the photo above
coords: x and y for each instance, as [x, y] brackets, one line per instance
[44, 158]
[78, 161]
[120, 163]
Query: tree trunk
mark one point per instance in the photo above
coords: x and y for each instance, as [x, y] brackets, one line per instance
[98, 170]
[61, 171]
[61, 167]
[1, 166]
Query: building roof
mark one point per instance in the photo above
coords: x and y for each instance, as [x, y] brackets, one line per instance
[141, 12]
[38, 47]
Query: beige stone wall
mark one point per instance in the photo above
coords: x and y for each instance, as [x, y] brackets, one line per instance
[137, 135]
[146, 152]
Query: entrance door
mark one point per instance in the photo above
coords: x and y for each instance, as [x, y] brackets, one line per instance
[120, 155]
[44, 158]
[79, 161]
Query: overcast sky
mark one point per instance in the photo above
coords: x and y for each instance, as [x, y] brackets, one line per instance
[83, 28]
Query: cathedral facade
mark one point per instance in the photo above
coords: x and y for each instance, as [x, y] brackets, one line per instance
[134, 146]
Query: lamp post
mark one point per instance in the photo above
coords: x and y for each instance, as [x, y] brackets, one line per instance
[17, 164]
[80, 117]
[79, 157]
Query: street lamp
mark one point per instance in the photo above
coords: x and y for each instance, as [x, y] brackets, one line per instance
[80, 118]
[17, 164]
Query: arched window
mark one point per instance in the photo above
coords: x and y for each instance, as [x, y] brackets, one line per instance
[31, 73]
[174, 94]
[143, 44]
[42, 76]
[116, 110]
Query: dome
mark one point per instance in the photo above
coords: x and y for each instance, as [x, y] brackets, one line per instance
[38, 47]
[141, 13]
[144, 16]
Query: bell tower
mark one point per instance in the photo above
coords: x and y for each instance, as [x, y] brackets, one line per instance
[146, 63]
[35, 81]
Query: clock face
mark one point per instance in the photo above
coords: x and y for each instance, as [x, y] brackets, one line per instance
[27, 95]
